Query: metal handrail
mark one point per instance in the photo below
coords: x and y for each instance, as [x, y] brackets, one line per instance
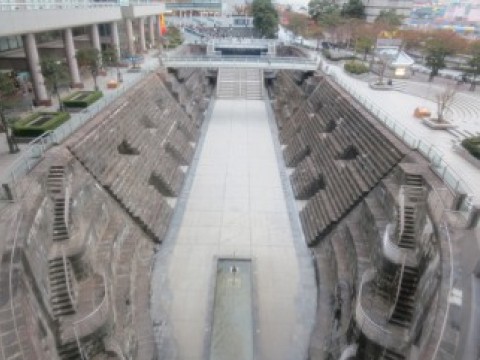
[32, 5]
[65, 269]
[65, 4]
[66, 208]
[38, 146]
[450, 277]
[397, 295]
[391, 250]
[10, 281]
[102, 307]
[401, 204]
[245, 58]
[431, 152]
[369, 275]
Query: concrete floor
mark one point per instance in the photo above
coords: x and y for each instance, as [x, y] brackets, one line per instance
[236, 203]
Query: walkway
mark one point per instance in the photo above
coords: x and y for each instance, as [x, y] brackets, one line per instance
[399, 106]
[236, 204]
[17, 163]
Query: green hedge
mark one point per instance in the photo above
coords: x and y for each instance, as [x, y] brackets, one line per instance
[472, 145]
[354, 67]
[21, 128]
[83, 103]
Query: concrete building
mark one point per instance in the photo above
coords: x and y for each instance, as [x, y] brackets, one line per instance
[236, 215]
[23, 21]
[374, 7]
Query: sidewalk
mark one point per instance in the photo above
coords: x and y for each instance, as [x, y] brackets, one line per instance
[399, 106]
[129, 78]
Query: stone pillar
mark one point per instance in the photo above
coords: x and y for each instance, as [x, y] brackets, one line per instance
[70, 53]
[96, 40]
[141, 35]
[130, 39]
[40, 92]
[151, 30]
[115, 39]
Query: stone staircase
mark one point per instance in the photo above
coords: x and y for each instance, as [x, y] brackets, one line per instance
[391, 355]
[405, 305]
[55, 179]
[406, 236]
[70, 351]
[62, 285]
[60, 231]
[240, 84]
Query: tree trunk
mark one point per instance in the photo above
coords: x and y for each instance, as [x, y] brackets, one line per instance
[12, 145]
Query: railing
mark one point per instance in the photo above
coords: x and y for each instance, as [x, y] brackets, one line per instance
[239, 61]
[391, 250]
[66, 4]
[440, 213]
[71, 295]
[399, 287]
[53, 5]
[17, 221]
[99, 314]
[401, 205]
[66, 211]
[373, 330]
[433, 154]
[34, 151]
[29, 157]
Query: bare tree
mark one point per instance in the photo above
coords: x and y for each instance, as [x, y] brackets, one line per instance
[444, 100]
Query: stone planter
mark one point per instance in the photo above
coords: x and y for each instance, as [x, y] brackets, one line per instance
[434, 124]
[382, 87]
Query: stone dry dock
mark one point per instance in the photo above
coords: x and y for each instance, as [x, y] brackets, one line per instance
[358, 249]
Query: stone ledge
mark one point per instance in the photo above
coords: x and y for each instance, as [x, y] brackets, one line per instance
[460, 150]
[438, 126]
[381, 87]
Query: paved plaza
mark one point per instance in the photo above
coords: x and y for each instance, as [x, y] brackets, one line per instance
[400, 104]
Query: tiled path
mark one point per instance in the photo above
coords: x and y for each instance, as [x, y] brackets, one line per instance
[236, 205]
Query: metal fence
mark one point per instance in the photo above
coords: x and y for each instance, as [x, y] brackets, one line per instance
[11, 186]
[430, 151]
[15, 5]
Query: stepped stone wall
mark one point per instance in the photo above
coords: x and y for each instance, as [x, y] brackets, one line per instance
[380, 225]
[78, 249]
[338, 151]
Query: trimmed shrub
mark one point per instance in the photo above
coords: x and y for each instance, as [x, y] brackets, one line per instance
[326, 53]
[88, 98]
[25, 128]
[355, 67]
[472, 145]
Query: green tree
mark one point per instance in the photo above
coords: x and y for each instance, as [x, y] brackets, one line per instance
[436, 52]
[265, 18]
[109, 57]
[320, 9]
[364, 45]
[55, 74]
[298, 23]
[474, 62]
[354, 9]
[7, 89]
[389, 18]
[90, 58]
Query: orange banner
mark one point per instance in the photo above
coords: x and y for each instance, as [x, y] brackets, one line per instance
[161, 23]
